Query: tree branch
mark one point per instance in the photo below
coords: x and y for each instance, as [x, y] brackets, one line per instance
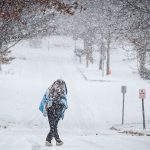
[138, 8]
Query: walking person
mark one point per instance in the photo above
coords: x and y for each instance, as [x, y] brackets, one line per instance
[53, 106]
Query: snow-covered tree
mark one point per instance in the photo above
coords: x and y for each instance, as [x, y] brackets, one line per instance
[96, 24]
[23, 19]
[134, 16]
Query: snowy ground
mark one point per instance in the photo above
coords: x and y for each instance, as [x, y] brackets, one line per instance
[94, 106]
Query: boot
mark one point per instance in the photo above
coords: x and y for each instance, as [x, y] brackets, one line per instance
[59, 142]
[48, 143]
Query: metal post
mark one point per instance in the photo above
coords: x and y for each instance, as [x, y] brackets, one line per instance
[123, 90]
[144, 127]
[123, 109]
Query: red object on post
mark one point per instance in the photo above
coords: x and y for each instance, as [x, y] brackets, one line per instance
[142, 94]
[109, 72]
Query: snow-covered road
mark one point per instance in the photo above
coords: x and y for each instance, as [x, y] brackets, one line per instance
[94, 107]
[28, 139]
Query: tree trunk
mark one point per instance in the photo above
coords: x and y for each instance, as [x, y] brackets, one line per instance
[101, 56]
[0, 62]
[0, 66]
[86, 52]
[142, 60]
[0, 55]
[108, 57]
[87, 60]
[100, 63]
[80, 59]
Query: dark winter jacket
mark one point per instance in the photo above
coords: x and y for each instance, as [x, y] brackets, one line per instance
[56, 93]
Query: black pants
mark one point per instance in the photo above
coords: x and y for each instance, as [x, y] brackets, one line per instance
[54, 115]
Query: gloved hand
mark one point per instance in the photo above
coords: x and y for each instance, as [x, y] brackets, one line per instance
[45, 112]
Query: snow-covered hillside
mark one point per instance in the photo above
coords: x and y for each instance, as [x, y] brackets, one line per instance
[95, 104]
